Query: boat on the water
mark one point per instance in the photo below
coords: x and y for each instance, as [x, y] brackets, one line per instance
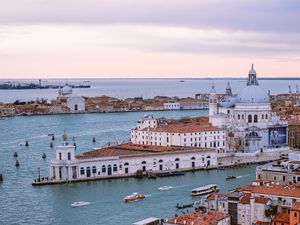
[204, 190]
[165, 188]
[133, 197]
[230, 177]
[170, 174]
[79, 204]
[183, 206]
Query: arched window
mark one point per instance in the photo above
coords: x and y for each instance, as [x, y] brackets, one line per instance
[115, 168]
[160, 161]
[82, 171]
[193, 158]
[255, 119]
[94, 169]
[76, 107]
[69, 155]
[103, 169]
[249, 118]
[177, 159]
[144, 162]
[266, 116]
[239, 117]
[126, 164]
[262, 116]
[208, 157]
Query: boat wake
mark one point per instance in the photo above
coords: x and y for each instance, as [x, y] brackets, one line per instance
[243, 176]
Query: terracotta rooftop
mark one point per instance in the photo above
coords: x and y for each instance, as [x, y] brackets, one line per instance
[282, 217]
[184, 128]
[261, 200]
[296, 206]
[245, 200]
[198, 218]
[277, 190]
[135, 150]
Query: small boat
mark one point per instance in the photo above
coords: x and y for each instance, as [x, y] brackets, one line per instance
[165, 188]
[230, 177]
[79, 204]
[204, 190]
[133, 197]
[183, 206]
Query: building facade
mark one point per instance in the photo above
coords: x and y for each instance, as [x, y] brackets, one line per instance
[125, 160]
[67, 98]
[247, 117]
[150, 131]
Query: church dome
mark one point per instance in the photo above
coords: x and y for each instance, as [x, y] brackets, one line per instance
[66, 90]
[253, 94]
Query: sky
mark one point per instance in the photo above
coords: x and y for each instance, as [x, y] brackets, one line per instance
[155, 38]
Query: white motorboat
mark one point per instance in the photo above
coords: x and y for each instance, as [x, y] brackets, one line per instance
[204, 190]
[165, 188]
[80, 203]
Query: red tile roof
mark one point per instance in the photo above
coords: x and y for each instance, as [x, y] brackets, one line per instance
[134, 150]
[198, 218]
[282, 217]
[296, 206]
[277, 190]
[184, 128]
[261, 200]
[245, 199]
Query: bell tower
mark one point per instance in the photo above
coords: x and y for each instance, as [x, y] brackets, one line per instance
[65, 151]
[213, 103]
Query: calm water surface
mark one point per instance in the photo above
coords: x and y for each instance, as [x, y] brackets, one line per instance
[20, 203]
[147, 88]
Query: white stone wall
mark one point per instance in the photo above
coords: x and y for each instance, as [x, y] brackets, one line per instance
[163, 162]
[209, 139]
[76, 103]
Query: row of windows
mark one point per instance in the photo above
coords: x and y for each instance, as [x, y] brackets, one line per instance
[253, 118]
[103, 169]
[212, 132]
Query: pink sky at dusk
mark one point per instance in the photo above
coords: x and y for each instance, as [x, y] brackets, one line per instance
[130, 38]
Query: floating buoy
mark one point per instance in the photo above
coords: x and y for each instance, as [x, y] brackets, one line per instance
[26, 144]
[15, 154]
[53, 137]
[17, 163]
[1, 177]
[94, 139]
[51, 145]
[44, 155]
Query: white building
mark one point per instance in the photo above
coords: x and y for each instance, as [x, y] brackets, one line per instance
[172, 105]
[247, 118]
[73, 102]
[125, 160]
[151, 131]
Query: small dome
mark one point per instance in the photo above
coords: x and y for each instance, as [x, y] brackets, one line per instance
[253, 94]
[66, 90]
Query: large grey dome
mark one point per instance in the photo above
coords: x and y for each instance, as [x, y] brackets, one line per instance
[253, 94]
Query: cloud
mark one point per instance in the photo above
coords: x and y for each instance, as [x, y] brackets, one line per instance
[252, 15]
[147, 38]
